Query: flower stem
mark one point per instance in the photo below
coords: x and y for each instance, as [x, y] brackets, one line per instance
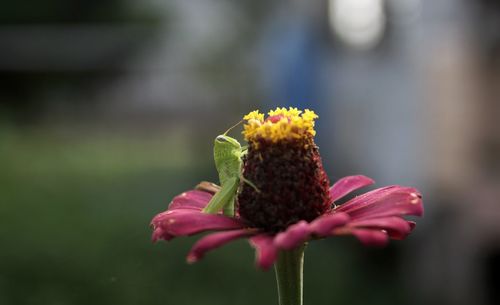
[289, 275]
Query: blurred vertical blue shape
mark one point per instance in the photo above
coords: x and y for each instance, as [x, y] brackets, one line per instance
[290, 61]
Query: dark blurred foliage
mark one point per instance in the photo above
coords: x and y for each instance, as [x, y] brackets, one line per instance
[58, 45]
[70, 12]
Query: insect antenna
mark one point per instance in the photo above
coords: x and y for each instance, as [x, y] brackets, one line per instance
[232, 127]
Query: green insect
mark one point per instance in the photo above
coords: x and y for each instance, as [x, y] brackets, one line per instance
[228, 154]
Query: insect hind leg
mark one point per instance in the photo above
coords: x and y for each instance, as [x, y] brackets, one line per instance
[250, 183]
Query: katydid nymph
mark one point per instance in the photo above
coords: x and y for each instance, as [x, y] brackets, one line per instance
[228, 154]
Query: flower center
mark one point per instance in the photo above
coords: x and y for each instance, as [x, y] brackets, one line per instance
[284, 164]
[276, 118]
[281, 124]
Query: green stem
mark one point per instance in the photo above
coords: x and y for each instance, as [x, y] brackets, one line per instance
[289, 275]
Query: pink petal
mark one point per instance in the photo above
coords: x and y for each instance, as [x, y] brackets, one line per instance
[388, 201]
[214, 241]
[323, 225]
[294, 236]
[368, 237]
[266, 251]
[373, 238]
[159, 233]
[193, 199]
[183, 222]
[396, 227]
[400, 236]
[347, 185]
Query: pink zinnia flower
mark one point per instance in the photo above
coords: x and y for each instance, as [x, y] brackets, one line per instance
[293, 202]
[373, 218]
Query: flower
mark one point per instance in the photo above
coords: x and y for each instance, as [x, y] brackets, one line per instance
[284, 164]
[289, 201]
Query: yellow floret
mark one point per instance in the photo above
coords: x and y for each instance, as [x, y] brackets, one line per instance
[293, 124]
[255, 115]
[291, 112]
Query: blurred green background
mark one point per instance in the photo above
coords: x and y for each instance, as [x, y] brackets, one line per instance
[75, 214]
[108, 109]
